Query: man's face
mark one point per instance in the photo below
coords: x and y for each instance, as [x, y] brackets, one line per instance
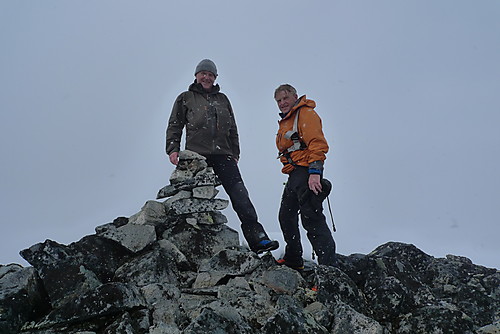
[285, 100]
[206, 79]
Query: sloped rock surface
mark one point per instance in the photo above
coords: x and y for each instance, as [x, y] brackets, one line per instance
[187, 273]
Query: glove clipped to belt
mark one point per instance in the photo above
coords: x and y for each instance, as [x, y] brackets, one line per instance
[308, 194]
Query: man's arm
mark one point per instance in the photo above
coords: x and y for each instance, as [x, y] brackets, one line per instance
[175, 127]
[233, 134]
[318, 147]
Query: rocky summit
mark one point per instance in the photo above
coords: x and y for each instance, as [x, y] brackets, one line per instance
[176, 267]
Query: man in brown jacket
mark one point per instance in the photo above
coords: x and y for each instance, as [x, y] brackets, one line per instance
[211, 131]
[302, 147]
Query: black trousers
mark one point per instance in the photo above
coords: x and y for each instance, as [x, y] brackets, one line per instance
[226, 169]
[312, 218]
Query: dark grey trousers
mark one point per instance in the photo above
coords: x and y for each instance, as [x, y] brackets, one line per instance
[312, 218]
[226, 169]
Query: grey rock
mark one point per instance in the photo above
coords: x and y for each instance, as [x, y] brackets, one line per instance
[225, 264]
[135, 322]
[201, 243]
[22, 297]
[192, 205]
[109, 299]
[490, 329]
[68, 271]
[334, 285]
[473, 289]
[207, 192]
[193, 304]
[155, 266]
[348, 320]
[176, 255]
[207, 218]
[192, 161]
[181, 177]
[291, 318]
[187, 155]
[187, 180]
[176, 267]
[167, 191]
[282, 280]
[134, 237]
[219, 318]
[164, 328]
[398, 278]
[179, 195]
[151, 213]
[164, 306]
[435, 319]
[191, 172]
[322, 314]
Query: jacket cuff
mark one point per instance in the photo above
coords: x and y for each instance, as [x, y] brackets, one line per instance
[316, 167]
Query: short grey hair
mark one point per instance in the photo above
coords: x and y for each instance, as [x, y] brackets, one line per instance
[285, 88]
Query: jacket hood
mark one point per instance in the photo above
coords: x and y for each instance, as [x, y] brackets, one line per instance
[198, 88]
[301, 102]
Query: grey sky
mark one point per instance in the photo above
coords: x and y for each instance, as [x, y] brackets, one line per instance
[407, 90]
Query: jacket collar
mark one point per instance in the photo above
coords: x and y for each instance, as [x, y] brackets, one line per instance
[198, 88]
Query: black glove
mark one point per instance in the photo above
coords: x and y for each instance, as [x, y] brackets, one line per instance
[308, 194]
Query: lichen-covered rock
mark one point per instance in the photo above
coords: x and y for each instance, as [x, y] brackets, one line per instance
[191, 205]
[436, 319]
[22, 297]
[69, 271]
[408, 288]
[348, 320]
[202, 242]
[134, 237]
[206, 192]
[175, 287]
[152, 213]
[334, 285]
[164, 305]
[155, 266]
[475, 290]
[108, 300]
[493, 328]
[292, 318]
[225, 264]
[176, 267]
[218, 319]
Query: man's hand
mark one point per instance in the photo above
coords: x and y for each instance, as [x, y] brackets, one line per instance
[174, 158]
[315, 183]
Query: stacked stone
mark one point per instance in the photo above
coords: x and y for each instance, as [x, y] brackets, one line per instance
[189, 219]
[192, 191]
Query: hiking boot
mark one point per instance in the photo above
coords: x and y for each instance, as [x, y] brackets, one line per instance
[297, 265]
[265, 246]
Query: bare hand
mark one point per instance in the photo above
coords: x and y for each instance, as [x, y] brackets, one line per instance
[174, 158]
[315, 183]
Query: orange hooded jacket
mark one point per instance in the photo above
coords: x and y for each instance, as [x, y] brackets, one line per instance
[310, 132]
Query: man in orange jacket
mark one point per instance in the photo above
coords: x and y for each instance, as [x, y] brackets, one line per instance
[302, 147]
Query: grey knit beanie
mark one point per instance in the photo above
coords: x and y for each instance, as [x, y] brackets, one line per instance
[206, 65]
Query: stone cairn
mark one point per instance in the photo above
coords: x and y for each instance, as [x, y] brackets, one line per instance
[192, 191]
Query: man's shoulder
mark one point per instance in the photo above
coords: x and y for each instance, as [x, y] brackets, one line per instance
[186, 95]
